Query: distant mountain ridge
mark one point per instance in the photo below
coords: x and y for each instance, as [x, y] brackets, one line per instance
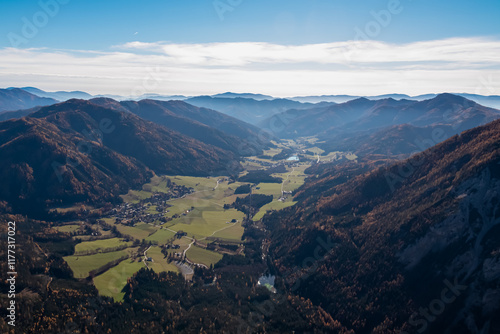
[257, 97]
[247, 109]
[59, 95]
[492, 101]
[17, 99]
[364, 122]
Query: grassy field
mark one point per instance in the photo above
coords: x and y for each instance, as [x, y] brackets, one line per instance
[139, 231]
[82, 265]
[268, 189]
[206, 213]
[295, 178]
[200, 255]
[250, 165]
[232, 233]
[67, 228]
[274, 205]
[183, 243]
[316, 150]
[273, 151]
[309, 140]
[204, 198]
[206, 224]
[100, 244]
[161, 236]
[198, 183]
[112, 281]
[159, 262]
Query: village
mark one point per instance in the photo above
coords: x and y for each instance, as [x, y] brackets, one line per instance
[132, 213]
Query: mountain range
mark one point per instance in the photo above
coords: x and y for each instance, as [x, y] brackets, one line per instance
[385, 126]
[59, 95]
[16, 99]
[492, 101]
[249, 110]
[77, 151]
[204, 124]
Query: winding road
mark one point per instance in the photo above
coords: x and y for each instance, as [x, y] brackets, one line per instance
[145, 257]
[287, 177]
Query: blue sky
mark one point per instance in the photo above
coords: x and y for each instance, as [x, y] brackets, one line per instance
[100, 30]
[93, 24]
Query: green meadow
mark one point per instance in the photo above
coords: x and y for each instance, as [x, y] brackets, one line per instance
[82, 265]
[201, 255]
[67, 228]
[274, 205]
[100, 244]
[112, 282]
[159, 263]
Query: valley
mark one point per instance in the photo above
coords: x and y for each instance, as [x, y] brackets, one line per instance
[177, 223]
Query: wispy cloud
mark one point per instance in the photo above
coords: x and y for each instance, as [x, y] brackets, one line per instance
[462, 51]
[365, 67]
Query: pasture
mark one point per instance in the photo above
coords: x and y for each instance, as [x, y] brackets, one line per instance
[274, 205]
[205, 223]
[100, 245]
[112, 282]
[82, 265]
[67, 228]
[139, 231]
[159, 263]
[233, 232]
[201, 255]
[161, 236]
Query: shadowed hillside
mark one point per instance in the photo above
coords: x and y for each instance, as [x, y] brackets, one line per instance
[79, 152]
[399, 236]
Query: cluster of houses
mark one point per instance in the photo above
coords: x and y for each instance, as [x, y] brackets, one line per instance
[284, 195]
[133, 213]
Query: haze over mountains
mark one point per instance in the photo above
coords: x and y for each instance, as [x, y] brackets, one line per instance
[383, 126]
[59, 95]
[371, 126]
[492, 101]
[251, 108]
[16, 99]
[246, 109]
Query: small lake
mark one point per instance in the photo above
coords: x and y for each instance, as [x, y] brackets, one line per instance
[268, 282]
[293, 158]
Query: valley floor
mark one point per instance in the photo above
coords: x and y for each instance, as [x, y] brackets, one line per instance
[176, 223]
